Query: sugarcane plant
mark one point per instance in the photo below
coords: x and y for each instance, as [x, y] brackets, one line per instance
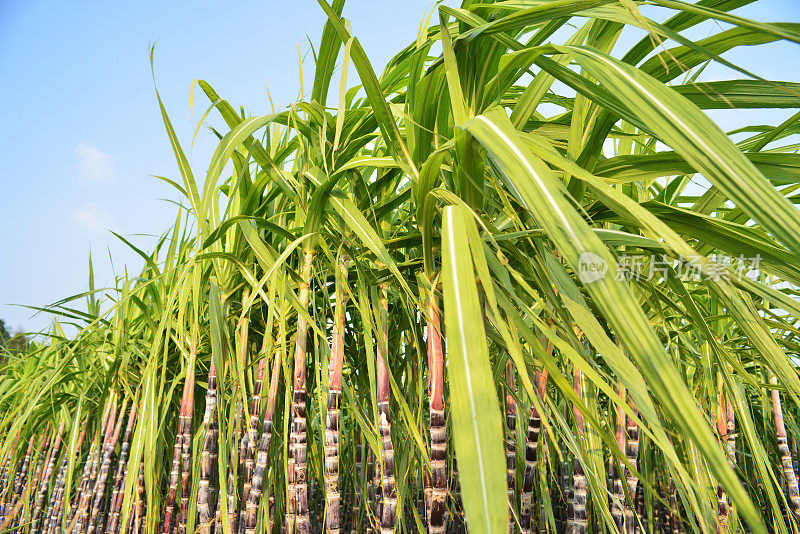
[518, 282]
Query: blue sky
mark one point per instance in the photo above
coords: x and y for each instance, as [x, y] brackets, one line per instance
[82, 129]
[83, 135]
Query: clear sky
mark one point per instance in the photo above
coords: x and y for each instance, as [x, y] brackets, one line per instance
[82, 133]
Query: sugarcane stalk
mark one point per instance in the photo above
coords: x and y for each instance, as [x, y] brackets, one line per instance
[55, 495]
[83, 495]
[511, 448]
[377, 495]
[100, 486]
[45, 480]
[437, 492]
[13, 491]
[230, 494]
[632, 452]
[22, 473]
[5, 481]
[640, 509]
[677, 525]
[388, 489]
[21, 476]
[359, 477]
[254, 496]
[297, 504]
[32, 489]
[617, 468]
[786, 457]
[250, 442]
[58, 511]
[230, 487]
[730, 436]
[72, 516]
[531, 447]
[92, 484]
[10, 516]
[578, 505]
[333, 517]
[204, 489]
[185, 427]
[115, 503]
[177, 454]
[371, 491]
[42, 454]
[141, 505]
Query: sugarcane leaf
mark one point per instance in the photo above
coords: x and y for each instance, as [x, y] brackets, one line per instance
[476, 416]
[537, 189]
[692, 134]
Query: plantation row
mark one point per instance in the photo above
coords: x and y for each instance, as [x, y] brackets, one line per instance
[411, 306]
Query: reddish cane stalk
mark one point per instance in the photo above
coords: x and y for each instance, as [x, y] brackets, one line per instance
[786, 457]
[388, 489]
[332, 495]
[437, 492]
[182, 446]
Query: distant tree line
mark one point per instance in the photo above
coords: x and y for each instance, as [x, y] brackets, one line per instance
[13, 343]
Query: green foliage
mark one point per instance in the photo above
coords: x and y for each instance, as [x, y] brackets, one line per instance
[568, 203]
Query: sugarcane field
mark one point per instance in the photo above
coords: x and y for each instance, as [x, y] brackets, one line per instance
[529, 266]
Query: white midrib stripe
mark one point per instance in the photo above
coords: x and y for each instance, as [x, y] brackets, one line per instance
[466, 366]
[529, 168]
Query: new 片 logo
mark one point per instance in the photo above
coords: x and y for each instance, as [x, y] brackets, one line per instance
[591, 267]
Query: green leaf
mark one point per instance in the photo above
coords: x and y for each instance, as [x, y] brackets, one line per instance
[680, 124]
[538, 190]
[477, 426]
